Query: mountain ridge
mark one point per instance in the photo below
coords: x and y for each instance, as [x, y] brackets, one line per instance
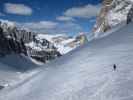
[113, 13]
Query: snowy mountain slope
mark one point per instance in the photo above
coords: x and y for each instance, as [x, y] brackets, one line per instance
[15, 69]
[63, 43]
[10, 76]
[7, 74]
[113, 12]
[119, 11]
[84, 74]
[19, 62]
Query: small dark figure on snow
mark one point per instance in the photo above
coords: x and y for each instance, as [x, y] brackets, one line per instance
[130, 15]
[114, 67]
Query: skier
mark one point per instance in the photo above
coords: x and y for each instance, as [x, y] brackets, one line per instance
[114, 67]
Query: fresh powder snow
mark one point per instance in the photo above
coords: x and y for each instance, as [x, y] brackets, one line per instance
[84, 74]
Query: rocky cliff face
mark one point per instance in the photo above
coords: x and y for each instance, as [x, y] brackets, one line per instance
[82, 39]
[42, 50]
[9, 44]
[113, 12]
[10, 29]
[13, 40]
[102, 24]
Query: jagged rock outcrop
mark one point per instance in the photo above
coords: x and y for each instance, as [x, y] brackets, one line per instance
[113, 12]
[18, 34]
[102, 23]
[10, 45]
[42, 50]
[13, 40]
[82, 39]
[58, 43]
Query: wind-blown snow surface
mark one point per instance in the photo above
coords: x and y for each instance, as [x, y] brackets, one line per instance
[85, 74]
[15, 69]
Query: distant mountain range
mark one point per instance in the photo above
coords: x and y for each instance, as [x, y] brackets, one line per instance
[41, 47]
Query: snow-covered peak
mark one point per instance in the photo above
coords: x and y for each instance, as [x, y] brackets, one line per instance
[7, 24]
[119, 11]
[112, 14]
[50, 37]
[61, 42]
